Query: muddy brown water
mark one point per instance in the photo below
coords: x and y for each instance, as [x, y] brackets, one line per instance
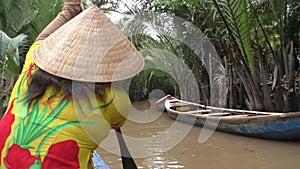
[220, 151]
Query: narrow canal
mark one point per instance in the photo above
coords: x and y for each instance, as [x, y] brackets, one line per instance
[153, 149]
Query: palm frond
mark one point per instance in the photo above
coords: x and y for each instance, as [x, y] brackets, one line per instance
[15, 15]
[236, 13]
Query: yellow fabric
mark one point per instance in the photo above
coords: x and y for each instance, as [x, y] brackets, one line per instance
[85, 123]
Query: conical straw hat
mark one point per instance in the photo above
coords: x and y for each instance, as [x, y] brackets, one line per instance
[89, 48]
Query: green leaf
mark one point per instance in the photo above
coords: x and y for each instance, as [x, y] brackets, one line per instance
[55, 113]
[101, 106]
[20, 133]
[31, 122]
[19, 136]
[52, 131]
[15, 15]
[42, 115]
[30, 133]
[27, 147]
[49, 119]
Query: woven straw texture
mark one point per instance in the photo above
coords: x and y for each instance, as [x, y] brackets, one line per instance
[89, 48]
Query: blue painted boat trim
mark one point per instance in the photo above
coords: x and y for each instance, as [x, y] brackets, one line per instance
[278, 130]
[282, 130]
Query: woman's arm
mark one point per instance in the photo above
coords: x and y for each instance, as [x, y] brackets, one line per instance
[71, 8]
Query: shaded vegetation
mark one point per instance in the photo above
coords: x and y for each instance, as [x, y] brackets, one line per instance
[258, 43]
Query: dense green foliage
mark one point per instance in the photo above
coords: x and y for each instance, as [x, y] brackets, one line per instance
[21, 22]
[258, 42]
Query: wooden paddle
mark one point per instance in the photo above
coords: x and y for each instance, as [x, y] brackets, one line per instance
[127, 160]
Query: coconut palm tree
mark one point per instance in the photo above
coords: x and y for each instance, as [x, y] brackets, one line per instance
[258, 41]
[252, 63]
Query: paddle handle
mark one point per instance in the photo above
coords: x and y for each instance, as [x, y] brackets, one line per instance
[127, 160]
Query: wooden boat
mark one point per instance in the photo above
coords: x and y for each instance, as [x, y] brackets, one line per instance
[268, 125]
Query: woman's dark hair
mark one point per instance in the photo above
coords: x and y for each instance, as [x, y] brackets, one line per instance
[41, 80]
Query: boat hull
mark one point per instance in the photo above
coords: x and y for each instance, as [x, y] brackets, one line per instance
[275, 126]
[280, 130]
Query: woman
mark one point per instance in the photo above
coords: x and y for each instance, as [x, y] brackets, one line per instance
[63, 104]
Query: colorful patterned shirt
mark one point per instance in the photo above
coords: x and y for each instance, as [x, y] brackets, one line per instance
[53, 132]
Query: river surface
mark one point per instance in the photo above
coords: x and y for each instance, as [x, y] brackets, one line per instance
[159, 143]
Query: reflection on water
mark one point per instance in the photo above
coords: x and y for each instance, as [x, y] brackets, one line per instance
[159, 159]
[161, 162]
[221, 151]
[156, 144]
